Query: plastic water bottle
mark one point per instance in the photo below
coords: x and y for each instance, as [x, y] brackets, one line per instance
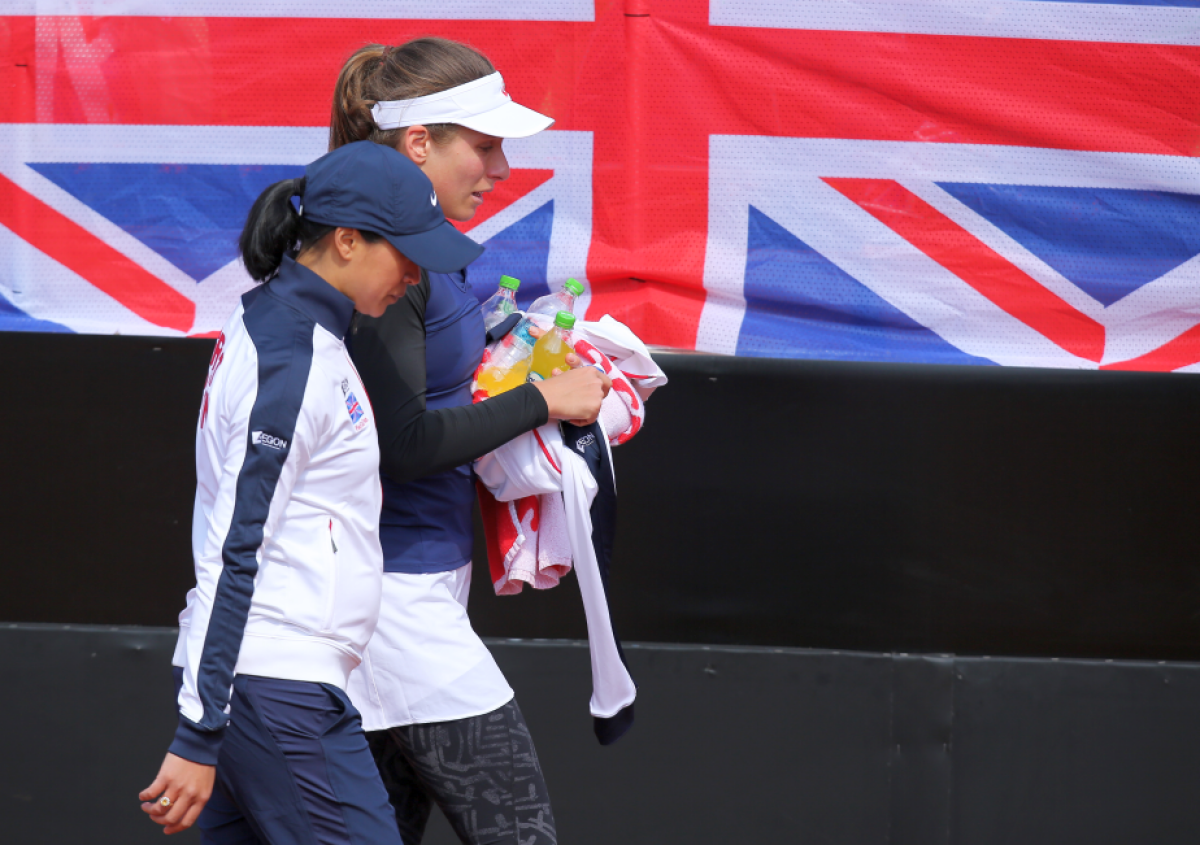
[541, 313]
[551, 350]
[508, 368]
[510, 361]
[502, 303]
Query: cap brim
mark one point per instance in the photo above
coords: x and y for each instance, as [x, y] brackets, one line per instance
[510, 120]
[442, 249]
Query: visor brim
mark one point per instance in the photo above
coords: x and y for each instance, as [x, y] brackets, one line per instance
[510, 120]
[442, 249]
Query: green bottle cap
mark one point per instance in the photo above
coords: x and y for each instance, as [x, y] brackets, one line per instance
[565, 320]
[573, 287]
[509, 282]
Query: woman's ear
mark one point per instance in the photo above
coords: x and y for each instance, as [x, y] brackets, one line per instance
[345, 241]
[415, 143]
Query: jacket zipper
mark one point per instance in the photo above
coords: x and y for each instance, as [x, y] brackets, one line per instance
[332, 579]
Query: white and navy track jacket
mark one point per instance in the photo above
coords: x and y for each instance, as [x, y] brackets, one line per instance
[576, 462]
[285, 531]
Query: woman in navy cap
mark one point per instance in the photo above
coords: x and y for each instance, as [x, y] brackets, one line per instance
[285, 528]
[443, 723]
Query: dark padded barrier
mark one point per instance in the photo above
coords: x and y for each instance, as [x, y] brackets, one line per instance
[879, 507]
[99, 476]
[909, 508]
[731, 745]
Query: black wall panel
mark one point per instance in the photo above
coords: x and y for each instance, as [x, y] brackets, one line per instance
[750, 745]
[1068, 751]
[869, 506]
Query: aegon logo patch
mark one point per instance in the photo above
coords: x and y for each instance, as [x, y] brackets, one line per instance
[261, 438]
[583, 442]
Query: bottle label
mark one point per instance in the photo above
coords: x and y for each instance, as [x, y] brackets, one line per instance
[521, 332]
[535, 377]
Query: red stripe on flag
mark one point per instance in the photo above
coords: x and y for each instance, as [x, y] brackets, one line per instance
[735, 80]
[650, 179]
[1183, 351]
[975, 263]
[1139, 98]
[249, 71]
[82, 252]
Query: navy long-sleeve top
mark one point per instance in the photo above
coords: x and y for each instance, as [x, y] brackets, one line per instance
[417, 362]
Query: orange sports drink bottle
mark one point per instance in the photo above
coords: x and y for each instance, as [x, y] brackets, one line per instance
[551, 350]
[504, 373]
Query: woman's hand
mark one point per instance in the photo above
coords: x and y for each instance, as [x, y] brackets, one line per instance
[575, 395]
[186, 786]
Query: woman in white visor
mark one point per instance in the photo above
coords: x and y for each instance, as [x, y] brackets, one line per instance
[443, 724]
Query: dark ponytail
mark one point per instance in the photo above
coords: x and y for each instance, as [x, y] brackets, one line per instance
[274, 228]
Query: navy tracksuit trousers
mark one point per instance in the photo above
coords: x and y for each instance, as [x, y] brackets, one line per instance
[295, 769]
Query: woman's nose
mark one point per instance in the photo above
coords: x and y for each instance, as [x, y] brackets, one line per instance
[498, 166]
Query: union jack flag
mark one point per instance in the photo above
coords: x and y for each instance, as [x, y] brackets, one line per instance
[356, 411]
[1006, 182]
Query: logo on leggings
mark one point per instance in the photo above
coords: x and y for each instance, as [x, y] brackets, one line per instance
[583, 442]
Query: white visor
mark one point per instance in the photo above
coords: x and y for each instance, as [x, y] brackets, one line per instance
[481, 104]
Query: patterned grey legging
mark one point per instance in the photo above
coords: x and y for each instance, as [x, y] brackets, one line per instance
[482, 771]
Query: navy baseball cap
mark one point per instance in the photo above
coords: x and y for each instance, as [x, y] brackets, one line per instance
[368, 186]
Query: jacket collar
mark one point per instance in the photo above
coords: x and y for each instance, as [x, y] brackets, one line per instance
[314, 297]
